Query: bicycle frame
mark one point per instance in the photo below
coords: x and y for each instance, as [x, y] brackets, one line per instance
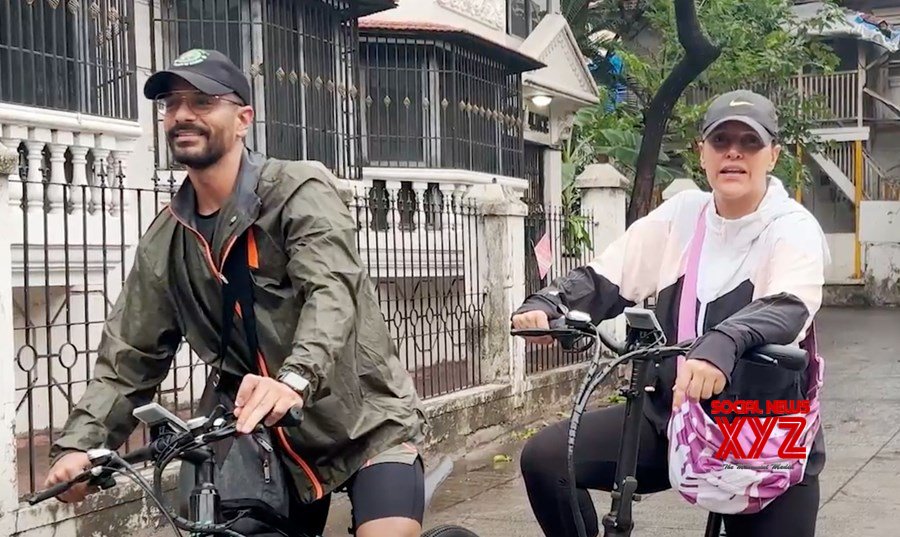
[644, 357]
[618, 522]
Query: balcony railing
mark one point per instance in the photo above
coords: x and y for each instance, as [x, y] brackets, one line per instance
[838, 94]
[67, 164]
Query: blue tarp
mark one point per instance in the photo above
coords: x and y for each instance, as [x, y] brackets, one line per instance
[854, 24]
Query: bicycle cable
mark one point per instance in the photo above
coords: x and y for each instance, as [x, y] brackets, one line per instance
[129, 471]
[592, 379]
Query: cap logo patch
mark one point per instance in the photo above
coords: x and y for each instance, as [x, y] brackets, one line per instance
[191, 57]
[740, 103]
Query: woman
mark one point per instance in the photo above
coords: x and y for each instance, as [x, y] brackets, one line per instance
[759, 280]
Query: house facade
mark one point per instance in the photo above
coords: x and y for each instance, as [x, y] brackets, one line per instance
[856, 187]
[856, 179]
[421, 109]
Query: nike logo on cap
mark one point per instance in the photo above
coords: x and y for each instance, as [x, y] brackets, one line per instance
[740, 103]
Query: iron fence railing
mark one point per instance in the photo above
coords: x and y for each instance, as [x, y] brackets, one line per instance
[436, 104]
[568, 253]
[70, 258]
[301, 57]
[73, 246]
[534, 174]
[422, 247]
[75, 56]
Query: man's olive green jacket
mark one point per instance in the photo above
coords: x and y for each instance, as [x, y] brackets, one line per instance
[316, 312]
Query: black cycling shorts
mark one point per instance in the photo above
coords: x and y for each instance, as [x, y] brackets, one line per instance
[369, 497]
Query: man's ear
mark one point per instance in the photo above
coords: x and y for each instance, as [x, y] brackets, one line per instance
[245, 120]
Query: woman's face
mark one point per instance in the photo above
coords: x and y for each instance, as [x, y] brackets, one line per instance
[737, 161]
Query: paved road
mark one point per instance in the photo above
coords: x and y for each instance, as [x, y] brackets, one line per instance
[860, 484]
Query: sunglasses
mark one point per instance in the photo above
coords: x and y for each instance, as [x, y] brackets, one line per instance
[747, 142]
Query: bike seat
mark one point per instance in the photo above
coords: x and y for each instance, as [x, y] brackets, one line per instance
[435, 476]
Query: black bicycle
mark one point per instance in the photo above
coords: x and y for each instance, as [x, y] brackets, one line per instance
[644, 347]
[190, 441]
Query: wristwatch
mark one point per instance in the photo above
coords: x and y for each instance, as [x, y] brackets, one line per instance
[294, 381]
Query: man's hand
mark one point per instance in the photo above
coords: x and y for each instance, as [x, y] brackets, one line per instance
[533, 319]
[66, 468]
[262, 397]
[698, 379]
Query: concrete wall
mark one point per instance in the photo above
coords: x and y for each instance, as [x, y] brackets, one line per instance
[841, 246]
[880, 236]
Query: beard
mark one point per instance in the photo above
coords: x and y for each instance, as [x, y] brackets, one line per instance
[199, 156]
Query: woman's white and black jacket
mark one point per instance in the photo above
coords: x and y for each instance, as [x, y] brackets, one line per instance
[760, 280]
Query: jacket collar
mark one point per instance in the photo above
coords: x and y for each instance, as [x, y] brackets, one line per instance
[239, 211]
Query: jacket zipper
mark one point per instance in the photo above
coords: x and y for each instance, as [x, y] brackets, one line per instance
[317, 486]
[267, 471]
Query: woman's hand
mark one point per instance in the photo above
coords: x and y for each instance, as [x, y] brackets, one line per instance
[533, 319]
[697, 379]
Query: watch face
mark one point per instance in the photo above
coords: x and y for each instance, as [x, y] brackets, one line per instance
[294, 380]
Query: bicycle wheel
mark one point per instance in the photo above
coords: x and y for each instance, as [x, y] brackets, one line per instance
[448, 530]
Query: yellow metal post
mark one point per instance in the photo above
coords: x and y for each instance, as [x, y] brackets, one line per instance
[858, 182]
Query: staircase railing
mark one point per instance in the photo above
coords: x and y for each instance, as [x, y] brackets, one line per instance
[878, 184]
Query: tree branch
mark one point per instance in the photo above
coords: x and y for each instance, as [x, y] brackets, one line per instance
[699, 53]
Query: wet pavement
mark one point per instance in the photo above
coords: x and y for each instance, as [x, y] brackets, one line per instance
[860, 486]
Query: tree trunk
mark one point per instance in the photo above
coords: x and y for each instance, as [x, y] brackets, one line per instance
[699, 54]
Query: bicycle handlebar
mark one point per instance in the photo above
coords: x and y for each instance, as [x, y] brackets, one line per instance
[105, 462]
[568, 330]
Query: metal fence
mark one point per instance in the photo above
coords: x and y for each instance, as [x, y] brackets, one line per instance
[422, 248]
[431, 103]
[570, 236]
[73, 56]
[73, 247]
[301, 57]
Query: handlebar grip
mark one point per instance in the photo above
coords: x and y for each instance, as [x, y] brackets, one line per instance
[142, 454]
[787, 357]
[293, 417]
[55, 490]
[556, 328]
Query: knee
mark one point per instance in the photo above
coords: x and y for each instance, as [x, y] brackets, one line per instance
[543, 458]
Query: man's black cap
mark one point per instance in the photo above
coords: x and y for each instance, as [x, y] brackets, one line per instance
[209, 71]
[748, 107]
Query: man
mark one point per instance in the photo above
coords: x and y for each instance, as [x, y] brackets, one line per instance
[322, 341]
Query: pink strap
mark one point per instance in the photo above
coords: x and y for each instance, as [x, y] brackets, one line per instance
[687, 312]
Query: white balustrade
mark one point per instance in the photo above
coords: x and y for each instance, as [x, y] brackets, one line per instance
[67, 222]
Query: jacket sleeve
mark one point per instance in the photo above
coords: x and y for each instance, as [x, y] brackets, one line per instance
[139, 340]
[792, 282]
[623, 275]
[327, 274]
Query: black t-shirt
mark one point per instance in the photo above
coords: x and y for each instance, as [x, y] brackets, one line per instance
[206, 225]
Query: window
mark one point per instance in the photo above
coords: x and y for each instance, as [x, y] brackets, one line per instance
[299, 56]
[434, 103]
[523, 16]
[75, 56]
